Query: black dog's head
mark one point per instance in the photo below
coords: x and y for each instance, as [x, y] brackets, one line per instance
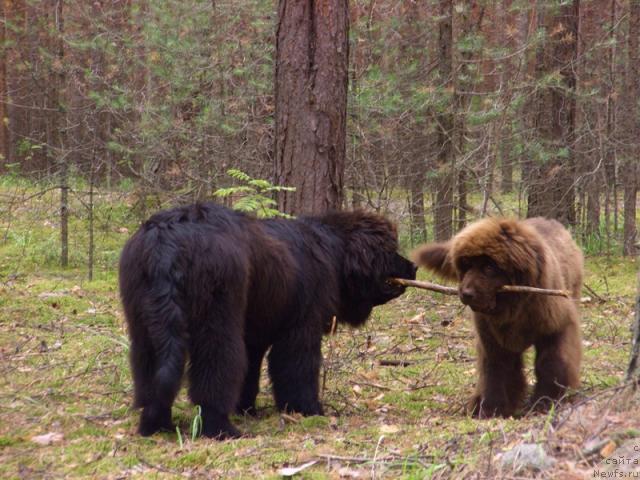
[370, 259]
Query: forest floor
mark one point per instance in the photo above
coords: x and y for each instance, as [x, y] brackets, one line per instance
[66, 390]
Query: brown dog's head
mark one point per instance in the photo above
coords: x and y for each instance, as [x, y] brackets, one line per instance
[485, 256]
[480, 282]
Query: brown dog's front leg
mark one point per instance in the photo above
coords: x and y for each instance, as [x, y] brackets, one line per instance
[501, 382]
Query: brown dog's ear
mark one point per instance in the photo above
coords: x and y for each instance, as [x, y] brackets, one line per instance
[436, 257]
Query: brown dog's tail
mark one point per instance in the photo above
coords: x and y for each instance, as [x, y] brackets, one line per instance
[436, 257]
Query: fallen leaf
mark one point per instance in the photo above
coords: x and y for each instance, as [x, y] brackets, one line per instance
[47, 438]
[291, 471]
[77, 290]
[608, 449]
[389, 429]
[346, 472]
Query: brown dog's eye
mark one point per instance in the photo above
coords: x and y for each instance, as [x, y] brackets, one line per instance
[491, 269]
[464, 265]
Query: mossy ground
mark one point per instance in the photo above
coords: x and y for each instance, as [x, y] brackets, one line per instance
[64, 370]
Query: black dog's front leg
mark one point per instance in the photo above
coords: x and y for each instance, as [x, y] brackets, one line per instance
[294, 367]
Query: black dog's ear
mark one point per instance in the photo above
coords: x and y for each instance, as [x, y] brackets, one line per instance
[436, 257]
[358, 260]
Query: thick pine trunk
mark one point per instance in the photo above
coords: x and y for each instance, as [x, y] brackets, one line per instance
[311, 98]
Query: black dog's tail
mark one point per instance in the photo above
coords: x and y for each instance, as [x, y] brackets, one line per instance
[150, 282]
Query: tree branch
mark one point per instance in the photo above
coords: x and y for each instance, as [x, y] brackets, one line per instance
[454, 291]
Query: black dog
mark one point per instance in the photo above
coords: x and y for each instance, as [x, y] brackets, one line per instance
[218, 288]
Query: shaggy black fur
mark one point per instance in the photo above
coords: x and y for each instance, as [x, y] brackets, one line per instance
[220, 288]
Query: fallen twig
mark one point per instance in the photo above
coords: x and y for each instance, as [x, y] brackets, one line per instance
[395, 363]
[454, 291]
[288, 418]
[593, 293]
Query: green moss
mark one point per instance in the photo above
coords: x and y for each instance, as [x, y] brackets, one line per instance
[314, 422]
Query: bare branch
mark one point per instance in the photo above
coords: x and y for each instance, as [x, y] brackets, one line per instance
[454, 291]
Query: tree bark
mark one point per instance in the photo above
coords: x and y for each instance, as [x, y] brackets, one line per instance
[609, 144]
[312, 52]
[589, 118]
[632, 170]
[444, 183]
[57, 127]
[4, 94]
[551, 190]
[416, 201]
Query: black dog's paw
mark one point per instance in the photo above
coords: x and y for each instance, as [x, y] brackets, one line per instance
[307, 410]
[155, 419]
[218, 426]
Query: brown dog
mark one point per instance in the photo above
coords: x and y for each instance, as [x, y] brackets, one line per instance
[536, 252]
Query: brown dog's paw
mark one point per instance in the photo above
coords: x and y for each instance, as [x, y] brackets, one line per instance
[480, 408]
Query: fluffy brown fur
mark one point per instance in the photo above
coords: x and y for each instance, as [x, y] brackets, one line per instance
[536, 252]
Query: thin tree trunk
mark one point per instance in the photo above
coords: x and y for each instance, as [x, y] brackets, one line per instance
[551, 189]
[588, 156]
[90, 263]
[4, 94]
[610, 157]
[443, 207]
[57, 129]
[416, 201]
[593, 205]
[632, 170]
[311, 99]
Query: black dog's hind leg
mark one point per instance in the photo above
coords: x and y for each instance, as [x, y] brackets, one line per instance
[156, 412]
[157, 355]
[218, 362]
[157, 376]
[294, 367]
[247, 402]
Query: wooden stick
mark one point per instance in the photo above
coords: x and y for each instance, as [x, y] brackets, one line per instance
[540, 291]
[434, 287]
[454, 291]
